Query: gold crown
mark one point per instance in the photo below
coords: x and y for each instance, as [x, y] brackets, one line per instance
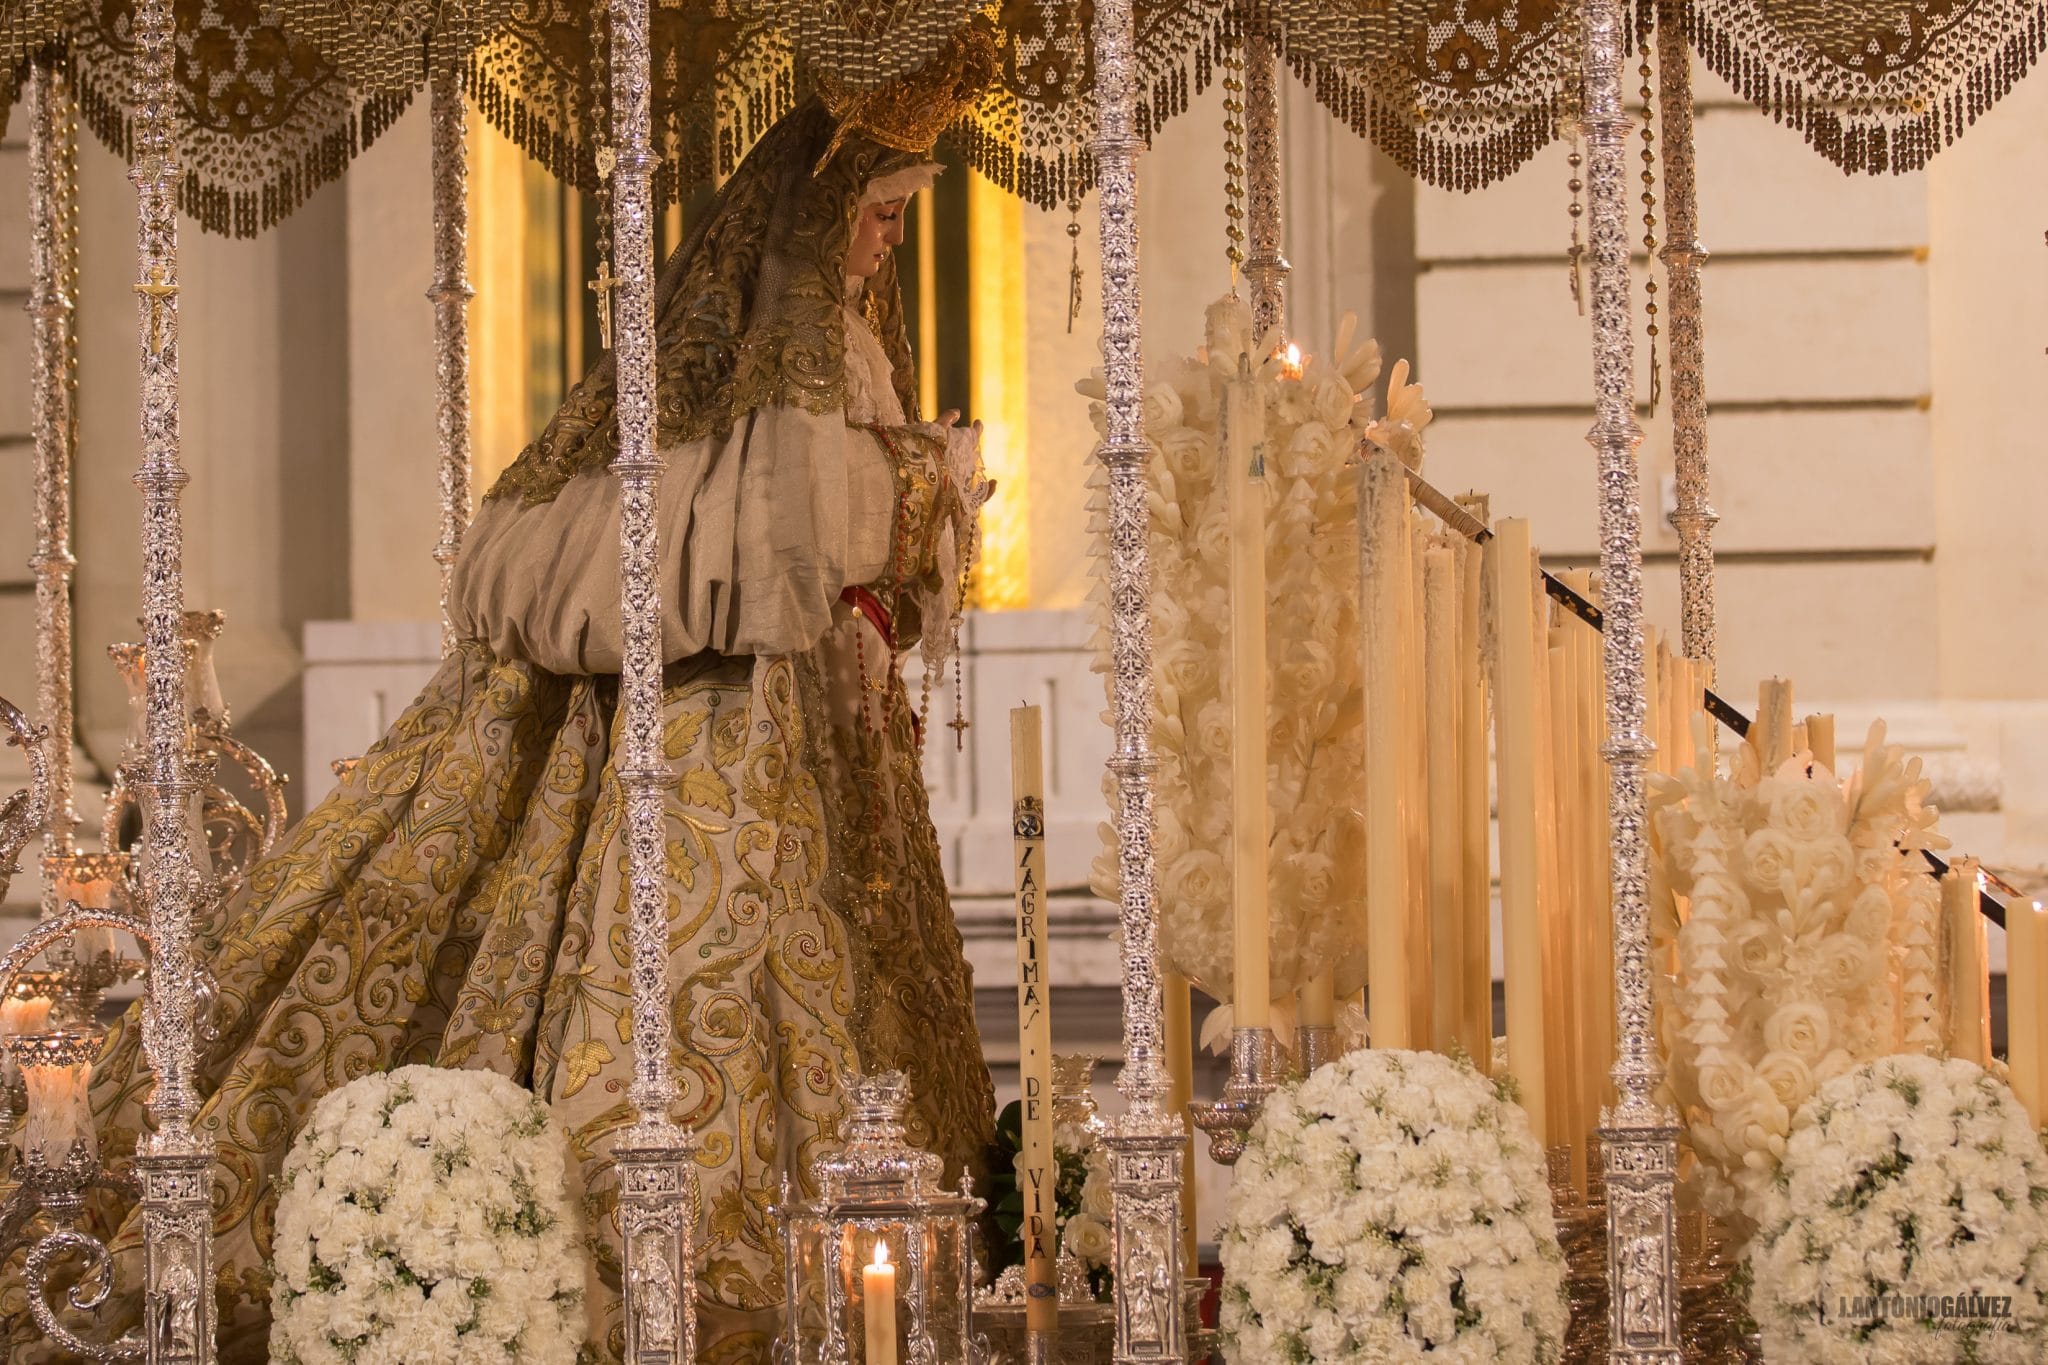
[908, 113]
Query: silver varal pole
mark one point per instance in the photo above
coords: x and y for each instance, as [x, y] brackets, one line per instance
[656, 1157]
[1266, 267]
[174, 1162]
[1146, 1142]
[53, 236]
[1683, 256]
[1639, 1137]
[450, 294]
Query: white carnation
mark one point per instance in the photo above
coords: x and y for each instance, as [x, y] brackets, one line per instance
[1393, 1206]
[423, 1217]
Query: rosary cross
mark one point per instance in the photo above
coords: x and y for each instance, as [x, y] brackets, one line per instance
[604, 286]
[159, 289]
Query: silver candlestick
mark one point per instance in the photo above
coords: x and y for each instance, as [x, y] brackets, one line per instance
[1639, 1136]
[1254, 1074]
[1146, 1143]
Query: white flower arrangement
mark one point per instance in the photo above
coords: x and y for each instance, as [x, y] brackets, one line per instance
[1908, 1184]
[423, 1218]
[1391, 1207]
[1802, 916]
[1311, 429]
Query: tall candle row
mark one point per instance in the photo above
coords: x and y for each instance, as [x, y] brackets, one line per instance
[1428, 894]
[1556, 920]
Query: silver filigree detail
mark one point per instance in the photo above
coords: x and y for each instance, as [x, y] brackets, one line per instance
[53, 253]
[450, 294]
[22, 814]
[1694, 517]
[1266, 267]
[173, 1162]
[656, 1157]
[1145, 1142]
[1637, 1131]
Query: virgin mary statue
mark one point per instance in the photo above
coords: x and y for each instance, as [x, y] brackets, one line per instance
[461, 900]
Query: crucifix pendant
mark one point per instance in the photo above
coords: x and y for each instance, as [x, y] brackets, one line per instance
[159, 290]
[603, 286]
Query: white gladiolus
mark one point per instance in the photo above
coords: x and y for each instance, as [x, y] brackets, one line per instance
[423, 1216]
[1392, 1207]
[1907, 1183]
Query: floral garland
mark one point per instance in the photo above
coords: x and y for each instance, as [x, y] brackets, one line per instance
[1312, 425]
[423, 1216]
[1806, 907]
[1393, 1206]
[1905, 1223]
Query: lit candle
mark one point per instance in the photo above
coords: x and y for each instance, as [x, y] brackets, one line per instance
[88, 883]
[878, 1303]
[2023, 1005]
[1034, 1020]
[1514, 718]
[1251, 962]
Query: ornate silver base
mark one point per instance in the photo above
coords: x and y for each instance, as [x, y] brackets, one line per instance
[1254, 1073]
[176, 1171]
[1641, 1168]
[1314, 1046]
[1146, 1150]
[657, 1212]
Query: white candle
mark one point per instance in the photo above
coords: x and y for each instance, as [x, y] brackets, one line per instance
[878, 1303]
[1515, 715]
[1383, 555]
[2023, 1005]
[1969, 1014]
[1445, 815]
[1251, 962]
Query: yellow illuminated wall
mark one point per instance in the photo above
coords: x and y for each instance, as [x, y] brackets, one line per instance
[999, 377]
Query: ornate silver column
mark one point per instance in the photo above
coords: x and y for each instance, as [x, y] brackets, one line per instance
[53, 246]
[174, 1163]
[656, 1157]
[1639, 1137]
[450, 294]
[1146, 1142]
[1683, 256]
[1266, 267]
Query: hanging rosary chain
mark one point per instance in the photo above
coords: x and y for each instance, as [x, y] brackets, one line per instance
[1649, 177]
[604, 284]
[1234, 186]
[1575, 184]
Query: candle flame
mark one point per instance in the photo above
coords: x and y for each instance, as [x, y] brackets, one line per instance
[881, 1255]
[1293, 356]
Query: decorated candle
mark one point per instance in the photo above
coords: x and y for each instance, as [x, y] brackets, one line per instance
[1039, 1172]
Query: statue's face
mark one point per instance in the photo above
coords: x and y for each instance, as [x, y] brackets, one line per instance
[879, 231]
